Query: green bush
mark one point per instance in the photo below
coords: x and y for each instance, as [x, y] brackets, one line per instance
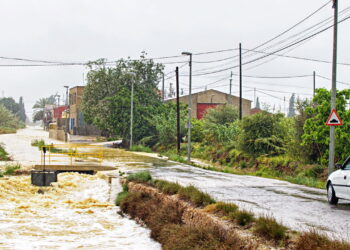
[11, 169]
[167, 187]
[120, 197]
[38, 143]
[268, 227]
[192, 194]
[141, 148]
[226, 208]
[242, 217]
[141, 177]
[265, 134]
[3, 154]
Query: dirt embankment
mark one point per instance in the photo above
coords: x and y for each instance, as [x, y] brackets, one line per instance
[197, 218]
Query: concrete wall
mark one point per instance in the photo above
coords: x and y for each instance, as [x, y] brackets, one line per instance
[57, 134]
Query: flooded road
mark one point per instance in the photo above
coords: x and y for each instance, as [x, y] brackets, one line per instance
[296, 206]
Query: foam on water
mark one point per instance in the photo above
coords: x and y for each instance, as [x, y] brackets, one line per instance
[74, 213]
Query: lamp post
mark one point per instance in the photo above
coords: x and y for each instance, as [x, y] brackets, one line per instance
[189, 107]
[67, 119]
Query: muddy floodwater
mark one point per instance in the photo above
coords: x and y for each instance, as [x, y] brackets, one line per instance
[76, 213]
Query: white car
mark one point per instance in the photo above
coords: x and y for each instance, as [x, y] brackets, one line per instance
[338, 183]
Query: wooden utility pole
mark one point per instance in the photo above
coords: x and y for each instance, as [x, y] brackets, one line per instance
[231, 84]
[240, 83]
[334, 88]
[163, 90]
[314, 83]
[178, 110]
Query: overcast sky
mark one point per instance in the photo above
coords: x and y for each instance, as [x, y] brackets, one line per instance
[83, 30]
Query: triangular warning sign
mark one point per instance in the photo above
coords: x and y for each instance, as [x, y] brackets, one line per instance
[334, 119]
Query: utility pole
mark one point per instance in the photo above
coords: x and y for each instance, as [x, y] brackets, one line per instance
[231, 84]
[131, 111]
[163, 90]
[189, 124]
[314, 83]
[178, 110]
[334, 88]
[240, 82]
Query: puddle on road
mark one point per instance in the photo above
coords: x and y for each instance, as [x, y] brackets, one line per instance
[74, 213]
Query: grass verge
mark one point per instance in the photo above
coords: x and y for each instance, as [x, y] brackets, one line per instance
[167, 227]
[164, 221]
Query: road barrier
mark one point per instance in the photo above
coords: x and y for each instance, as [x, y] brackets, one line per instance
[74, 154]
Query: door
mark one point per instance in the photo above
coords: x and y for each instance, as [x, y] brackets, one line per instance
[346, 177]
[341, 181]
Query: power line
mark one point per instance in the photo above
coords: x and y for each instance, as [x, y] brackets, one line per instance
[326, 78]
[299, 58]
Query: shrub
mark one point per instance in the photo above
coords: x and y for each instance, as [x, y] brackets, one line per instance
[226, 208]
[167, 187]
[38, 143]
[312, 240]
[264, 134]
[268, 227]
[11, 169]
[141, 177]
[120, 197]
[3, 154]
[141, 148]
[192, 194]
[242, 217]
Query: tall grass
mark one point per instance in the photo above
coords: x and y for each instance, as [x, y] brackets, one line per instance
[140, 177]
[3, 154]
[313, 240]
[267, 226]
[141, 148]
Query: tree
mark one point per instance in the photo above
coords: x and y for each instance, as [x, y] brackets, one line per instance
[22, 112]
[291, 111]
[220, 125]
[223, 115]
[165, 123]
[257, 105]
[10, 104]
[39, 107]
[265, 134]
[316, 133]
[8, 119]
[107, 96]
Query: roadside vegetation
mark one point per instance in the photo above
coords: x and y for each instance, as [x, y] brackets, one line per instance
[9, 169]
[4, 156]
[9, 121]
[167, 227]
[292, 148]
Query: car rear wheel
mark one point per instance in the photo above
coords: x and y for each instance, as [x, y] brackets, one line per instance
[332, 198]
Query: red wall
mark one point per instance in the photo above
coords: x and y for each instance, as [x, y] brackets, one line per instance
[203, 107]
[57, 112]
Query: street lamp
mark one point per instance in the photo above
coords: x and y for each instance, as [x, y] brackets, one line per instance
[189, 106]
[67, 110]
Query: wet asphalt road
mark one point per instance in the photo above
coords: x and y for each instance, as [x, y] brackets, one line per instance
[296, 206]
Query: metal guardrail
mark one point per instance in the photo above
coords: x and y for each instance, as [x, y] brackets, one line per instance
[72, 153]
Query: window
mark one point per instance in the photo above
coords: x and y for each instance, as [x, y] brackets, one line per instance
[347, 165]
